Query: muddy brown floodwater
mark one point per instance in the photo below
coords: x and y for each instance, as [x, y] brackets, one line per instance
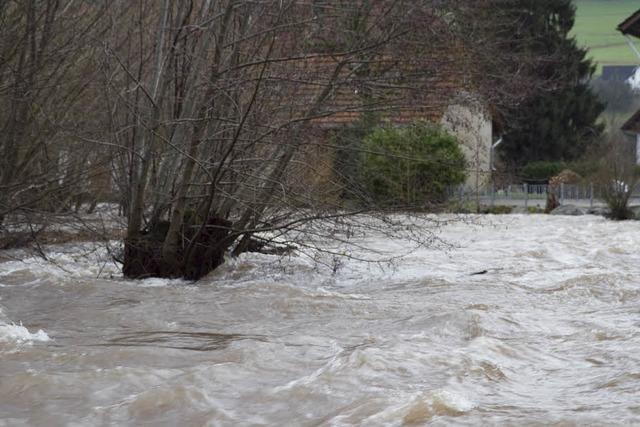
[550, 334]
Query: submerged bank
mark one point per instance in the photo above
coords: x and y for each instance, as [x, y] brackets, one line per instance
[548, 334]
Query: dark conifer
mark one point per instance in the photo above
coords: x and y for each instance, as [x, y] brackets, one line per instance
[556, 125]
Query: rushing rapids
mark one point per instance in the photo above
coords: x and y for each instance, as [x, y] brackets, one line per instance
[548, 333]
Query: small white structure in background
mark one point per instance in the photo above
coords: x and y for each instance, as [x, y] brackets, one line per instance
[634, 80]
[620, 186]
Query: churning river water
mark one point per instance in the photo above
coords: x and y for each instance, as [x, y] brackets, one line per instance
[548, 335]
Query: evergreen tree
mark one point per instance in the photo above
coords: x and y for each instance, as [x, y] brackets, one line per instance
[556, 124]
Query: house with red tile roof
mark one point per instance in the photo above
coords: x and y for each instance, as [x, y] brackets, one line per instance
[630, 28]
[400, 85]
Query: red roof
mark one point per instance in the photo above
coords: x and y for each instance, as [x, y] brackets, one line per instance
[400, 90]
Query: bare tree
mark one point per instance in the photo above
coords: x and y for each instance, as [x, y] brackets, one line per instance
[45, 73]
[211, 119]
[617, 176]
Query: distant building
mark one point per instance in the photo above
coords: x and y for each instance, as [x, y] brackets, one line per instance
[401, 87]
[631, 28]
[632, 127]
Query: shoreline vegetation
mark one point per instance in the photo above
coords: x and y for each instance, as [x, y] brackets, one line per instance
[109, 227]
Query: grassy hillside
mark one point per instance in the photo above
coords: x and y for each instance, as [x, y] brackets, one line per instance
[595, 28]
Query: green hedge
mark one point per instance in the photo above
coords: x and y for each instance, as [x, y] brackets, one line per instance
[411, 165]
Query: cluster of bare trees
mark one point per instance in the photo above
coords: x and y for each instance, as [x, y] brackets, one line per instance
[205, 117]
[46, 71]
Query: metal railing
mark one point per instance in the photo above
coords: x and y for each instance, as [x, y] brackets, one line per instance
[526, 194]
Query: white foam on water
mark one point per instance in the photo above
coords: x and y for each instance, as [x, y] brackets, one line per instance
[19, 333]
[453, 401]
[78, 260]
[155, 282]
[418, 409]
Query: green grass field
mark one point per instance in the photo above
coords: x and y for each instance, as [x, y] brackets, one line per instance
[596, 22]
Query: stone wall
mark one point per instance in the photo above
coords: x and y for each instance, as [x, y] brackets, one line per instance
[470, 122]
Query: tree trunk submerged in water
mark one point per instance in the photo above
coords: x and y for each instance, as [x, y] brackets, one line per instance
[143, 255]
